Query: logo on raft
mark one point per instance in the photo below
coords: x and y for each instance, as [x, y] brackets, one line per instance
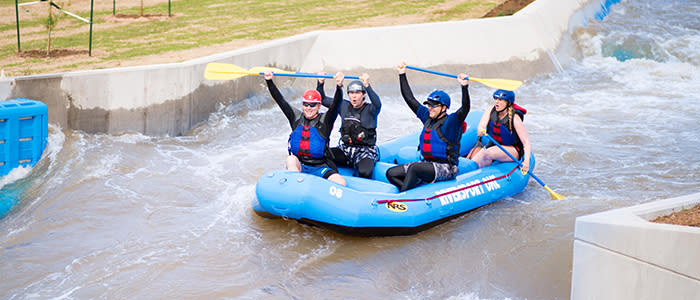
[396, 206]
[467, 190]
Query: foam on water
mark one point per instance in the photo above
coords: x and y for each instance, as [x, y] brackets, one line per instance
[133, 216]
[54, 144]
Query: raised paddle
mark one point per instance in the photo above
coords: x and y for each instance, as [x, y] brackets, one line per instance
[554, 194]
[222, 71]
[495, 83]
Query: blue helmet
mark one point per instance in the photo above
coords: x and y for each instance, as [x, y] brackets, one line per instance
[440, 97]
[504, 95]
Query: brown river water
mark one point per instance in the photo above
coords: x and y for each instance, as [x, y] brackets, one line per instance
[130, 216]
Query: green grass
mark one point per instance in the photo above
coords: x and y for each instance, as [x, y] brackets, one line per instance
[203, 23]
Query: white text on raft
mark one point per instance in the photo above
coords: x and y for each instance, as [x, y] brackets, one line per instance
[461, 192]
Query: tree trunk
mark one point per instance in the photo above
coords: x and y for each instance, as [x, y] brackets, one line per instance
[49, 25]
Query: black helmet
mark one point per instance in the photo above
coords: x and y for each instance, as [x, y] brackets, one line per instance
[356, 86]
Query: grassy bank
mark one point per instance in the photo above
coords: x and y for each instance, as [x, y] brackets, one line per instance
[196, 28]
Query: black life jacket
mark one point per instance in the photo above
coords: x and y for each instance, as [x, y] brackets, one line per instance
[352, 131]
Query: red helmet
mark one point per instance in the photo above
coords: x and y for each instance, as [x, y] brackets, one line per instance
[312, 96]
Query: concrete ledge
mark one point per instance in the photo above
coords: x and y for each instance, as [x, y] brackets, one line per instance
[619, 254]
[171, 98]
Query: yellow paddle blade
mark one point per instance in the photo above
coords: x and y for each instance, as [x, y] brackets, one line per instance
[554, 194]
[497, 83]
[221, 71]
[261, 69]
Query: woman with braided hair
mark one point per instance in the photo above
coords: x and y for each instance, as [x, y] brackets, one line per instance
[504, 123]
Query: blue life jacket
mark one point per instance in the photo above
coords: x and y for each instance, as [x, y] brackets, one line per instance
[498, 129]
[306, 143]
[434, 146]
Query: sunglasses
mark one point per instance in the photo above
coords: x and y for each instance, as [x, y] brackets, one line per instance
[310, 104]
[433, 104]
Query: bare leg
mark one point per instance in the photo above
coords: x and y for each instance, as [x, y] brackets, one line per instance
[337, 179]
[487, 156]
[293, 163]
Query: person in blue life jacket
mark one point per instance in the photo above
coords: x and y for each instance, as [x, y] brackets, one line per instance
[439, 140]
[503, 121]
[358, 142]
[308, 142]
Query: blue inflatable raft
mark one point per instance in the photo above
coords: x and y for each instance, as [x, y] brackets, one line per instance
[374, 207]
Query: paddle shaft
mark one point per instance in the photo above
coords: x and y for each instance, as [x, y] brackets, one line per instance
[310, 75]
[223, 71]
[496, 83]
[433, 72]
[513, 158]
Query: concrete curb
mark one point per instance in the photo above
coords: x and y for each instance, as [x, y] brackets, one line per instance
[619, 254]
[169, 99]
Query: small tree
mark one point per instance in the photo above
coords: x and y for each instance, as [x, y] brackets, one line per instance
[51, 22]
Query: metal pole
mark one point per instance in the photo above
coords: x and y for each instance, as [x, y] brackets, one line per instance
[90, 47]
[169, 14]
[114, 7]
[19, 49]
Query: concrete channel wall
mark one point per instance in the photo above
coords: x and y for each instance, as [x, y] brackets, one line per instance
[619, 254]
[169, 99]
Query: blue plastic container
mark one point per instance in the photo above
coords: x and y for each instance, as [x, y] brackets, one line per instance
[23, 133]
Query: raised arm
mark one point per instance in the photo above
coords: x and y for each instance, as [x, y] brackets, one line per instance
[325, 101]
[452, 127]
[466, 102]
[406, 89]
[279, 99]
[332, 113]
[373, 97]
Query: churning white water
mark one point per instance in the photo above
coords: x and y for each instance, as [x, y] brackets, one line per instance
[139, 217]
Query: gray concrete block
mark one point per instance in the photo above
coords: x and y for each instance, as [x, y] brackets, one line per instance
[620, 254]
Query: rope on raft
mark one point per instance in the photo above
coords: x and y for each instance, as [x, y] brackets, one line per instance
[450, 192]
